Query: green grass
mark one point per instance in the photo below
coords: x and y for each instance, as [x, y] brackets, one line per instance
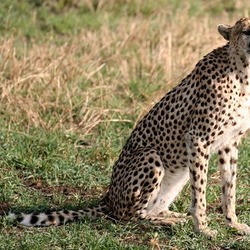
[36, 18]
[76, 76]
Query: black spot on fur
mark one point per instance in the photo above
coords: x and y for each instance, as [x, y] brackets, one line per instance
[51, 218]
[150, 160]
[61, 219]
[43, 222]
[34, 219]
[222, 161]
[152, 174]
[19, 218]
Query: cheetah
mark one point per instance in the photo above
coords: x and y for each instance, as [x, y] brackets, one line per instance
[208, 112]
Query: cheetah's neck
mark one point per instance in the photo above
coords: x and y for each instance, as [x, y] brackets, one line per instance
[241, 65]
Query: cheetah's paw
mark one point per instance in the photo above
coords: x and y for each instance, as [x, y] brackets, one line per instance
[241, 228]
[210, 233]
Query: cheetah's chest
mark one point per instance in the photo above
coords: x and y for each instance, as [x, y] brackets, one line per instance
[237, 125]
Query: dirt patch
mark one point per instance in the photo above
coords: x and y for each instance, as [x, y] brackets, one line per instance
[68, 191]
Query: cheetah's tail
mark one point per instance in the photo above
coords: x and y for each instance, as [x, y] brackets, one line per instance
[57, 218]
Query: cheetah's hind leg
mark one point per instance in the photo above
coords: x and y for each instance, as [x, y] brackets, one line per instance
[147, 189]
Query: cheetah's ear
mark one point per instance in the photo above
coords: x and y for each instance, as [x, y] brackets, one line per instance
[225, 31]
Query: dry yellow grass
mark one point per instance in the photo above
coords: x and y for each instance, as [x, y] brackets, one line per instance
[70, 85]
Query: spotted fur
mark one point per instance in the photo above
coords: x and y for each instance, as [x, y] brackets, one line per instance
[209, 111]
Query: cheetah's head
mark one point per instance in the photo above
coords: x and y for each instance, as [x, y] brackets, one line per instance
[237, 35]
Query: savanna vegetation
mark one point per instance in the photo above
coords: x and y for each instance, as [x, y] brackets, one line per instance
[75, 78]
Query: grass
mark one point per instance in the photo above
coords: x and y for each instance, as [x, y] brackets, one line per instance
[76, 76]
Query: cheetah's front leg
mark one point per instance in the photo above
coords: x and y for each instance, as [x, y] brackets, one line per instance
[198, 166]
[228, 165]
